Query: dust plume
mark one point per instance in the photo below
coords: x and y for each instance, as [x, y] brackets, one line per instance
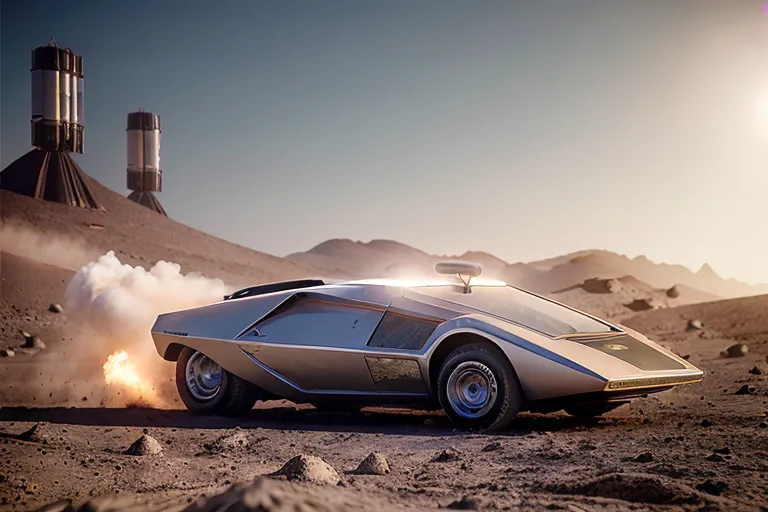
[119, 304]
[48, 248]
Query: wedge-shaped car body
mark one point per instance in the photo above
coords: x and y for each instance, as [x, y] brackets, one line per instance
[481, 350]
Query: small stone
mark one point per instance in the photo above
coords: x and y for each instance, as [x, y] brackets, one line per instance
[644, 457]
[737, 350]
[724, 450]
[714, 488]
[755, 371]
[449, 455]
[694, 325]
[744, 390]
[145, 445]
[234, 442]
[308, 468]
[7, 352]
[763, 424]
[715, 458]
[55, 308]
[30, 435]
[33, 342]
[373, 464]
[706, 423]
[492, 447]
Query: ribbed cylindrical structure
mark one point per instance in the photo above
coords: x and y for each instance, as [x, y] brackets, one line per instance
[57, 99]
[143, 152]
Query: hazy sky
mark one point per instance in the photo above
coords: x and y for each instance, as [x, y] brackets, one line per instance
[526, 129]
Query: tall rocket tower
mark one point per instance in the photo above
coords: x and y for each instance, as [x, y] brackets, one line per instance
[48, 171]
[143, 151]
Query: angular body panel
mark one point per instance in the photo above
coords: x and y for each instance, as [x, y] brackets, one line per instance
[383, 342]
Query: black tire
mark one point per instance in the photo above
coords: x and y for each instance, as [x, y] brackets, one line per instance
[591, 411]
[241, 397]
[507, 395]
[235, 397]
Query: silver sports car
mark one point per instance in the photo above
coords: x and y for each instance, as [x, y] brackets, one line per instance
[481, 350]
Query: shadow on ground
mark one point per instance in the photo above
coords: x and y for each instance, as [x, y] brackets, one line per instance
[378, 420]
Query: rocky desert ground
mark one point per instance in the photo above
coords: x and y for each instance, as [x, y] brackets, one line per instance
[71, 440]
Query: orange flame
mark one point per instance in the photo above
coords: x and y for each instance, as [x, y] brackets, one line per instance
[120, 370]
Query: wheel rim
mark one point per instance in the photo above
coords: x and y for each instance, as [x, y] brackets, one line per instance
[472, 389]
[204, 377]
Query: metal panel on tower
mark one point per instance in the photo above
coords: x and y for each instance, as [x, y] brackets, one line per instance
[57, 99]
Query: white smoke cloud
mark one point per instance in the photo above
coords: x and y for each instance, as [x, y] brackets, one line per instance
[120, 304]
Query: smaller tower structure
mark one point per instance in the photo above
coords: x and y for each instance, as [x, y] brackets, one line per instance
[143, 152]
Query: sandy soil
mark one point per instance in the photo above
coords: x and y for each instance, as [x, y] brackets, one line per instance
[697, 447]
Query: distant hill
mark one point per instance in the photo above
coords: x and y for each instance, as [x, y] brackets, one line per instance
[383, 258]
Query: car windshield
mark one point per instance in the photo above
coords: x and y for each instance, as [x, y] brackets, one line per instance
[521, 308]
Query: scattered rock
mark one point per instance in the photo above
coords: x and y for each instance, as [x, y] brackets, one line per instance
[755, 371]
[373, 464]
[745, 390]
[492, 447]
[30, 435]
[7, 352]
[598, 285]
[33, 342]
[694, 325]
[714, 488]
[715, 458]
[55, 308]
[236, 441]
[673, 292]
[449, 455]
[644, 304]
[706, 423]
[145, 445]
[724, 450]
[644, 457]
[308, 468]
[737, 350]
[763, 424]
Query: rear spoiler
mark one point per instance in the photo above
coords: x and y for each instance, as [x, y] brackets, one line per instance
[274, 287]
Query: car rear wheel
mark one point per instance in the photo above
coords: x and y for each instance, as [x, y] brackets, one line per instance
[478, 388]
[206, 388]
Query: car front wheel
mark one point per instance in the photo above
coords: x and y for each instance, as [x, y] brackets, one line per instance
[478, 388]
[206, 388]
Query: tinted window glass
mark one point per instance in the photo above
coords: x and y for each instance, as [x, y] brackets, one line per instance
[520, 307]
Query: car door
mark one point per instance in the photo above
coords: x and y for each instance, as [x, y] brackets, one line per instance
[316, 340]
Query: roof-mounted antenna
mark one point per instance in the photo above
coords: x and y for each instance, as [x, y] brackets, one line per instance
[461, 269]
[52, 42]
